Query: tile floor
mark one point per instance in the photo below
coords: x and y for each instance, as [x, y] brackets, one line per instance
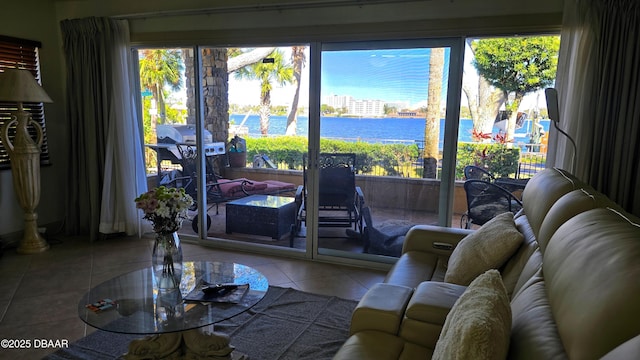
[39, 293]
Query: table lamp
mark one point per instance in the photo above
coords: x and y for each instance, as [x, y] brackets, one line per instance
[19, 86]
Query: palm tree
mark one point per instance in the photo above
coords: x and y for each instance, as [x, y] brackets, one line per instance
[271, 69]
[298, 59]
[239, 59]
[432, 123]
[158, 68]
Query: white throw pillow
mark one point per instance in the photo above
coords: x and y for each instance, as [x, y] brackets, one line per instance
[489, 247]
[479, 324]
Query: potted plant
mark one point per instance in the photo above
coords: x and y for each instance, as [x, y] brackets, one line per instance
[237, 152]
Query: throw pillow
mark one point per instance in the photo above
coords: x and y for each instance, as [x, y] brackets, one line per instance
[479, 323]
[489, 247]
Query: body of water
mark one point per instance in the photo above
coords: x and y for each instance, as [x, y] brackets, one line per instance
[405, 130]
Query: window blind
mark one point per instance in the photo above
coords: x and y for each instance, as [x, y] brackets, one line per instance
[23, 54]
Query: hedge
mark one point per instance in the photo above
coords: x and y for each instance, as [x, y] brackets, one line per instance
[288, 151]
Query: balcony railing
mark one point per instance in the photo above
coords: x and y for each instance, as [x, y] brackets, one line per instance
[531, 161]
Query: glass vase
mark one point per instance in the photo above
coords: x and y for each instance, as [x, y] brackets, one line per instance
[166, 260]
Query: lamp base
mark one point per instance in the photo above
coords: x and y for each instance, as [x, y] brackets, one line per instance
[32, 242]
[24, 154]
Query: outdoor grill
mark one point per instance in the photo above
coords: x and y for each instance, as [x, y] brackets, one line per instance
[168, 135]
[183, 134]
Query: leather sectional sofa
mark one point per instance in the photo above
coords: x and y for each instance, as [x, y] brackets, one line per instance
[573, 284]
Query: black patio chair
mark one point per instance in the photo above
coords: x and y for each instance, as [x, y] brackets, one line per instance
[472, 172]
[340, 201]
[485, 200]
[219, 190]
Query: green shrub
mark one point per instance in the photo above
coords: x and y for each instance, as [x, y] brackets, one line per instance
[384, 159]
[498, 159]
[288, 151]
[285, 151]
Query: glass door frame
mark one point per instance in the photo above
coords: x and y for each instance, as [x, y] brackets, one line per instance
[447, 186]
[456, 45]
[202, 237]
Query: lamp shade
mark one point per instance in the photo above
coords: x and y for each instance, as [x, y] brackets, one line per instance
[552, 104]
[19, 85]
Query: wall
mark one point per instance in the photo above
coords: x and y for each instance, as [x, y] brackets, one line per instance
[240, 21]
[32, 19]
[244, 22]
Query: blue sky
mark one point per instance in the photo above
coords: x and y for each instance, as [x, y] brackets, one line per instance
[390, 74]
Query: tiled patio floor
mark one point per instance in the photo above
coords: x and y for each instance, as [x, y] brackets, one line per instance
[329, 237]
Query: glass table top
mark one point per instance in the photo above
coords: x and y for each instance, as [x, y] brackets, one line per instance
[264, 201]
[140, 308]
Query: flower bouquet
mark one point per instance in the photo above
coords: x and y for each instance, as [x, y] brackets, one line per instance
[166, 208]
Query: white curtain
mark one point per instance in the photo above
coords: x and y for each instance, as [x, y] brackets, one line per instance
[106, 169]
[124, 171]
[574, 81]
[598, 84]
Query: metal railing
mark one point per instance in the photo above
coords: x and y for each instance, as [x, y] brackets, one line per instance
[531, 161]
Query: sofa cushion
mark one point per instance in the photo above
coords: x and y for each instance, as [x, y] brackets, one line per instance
[534, 334]
[479, 324]
[543, 190]
[591, 271]
[489, 247]
[512, 270]
[381, 308]
[371, 345]
[427, 311]
[568, 206]
[414, 267]
[380, 345]
[432, 301]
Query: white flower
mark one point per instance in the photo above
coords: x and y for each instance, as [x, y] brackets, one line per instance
[165, 207]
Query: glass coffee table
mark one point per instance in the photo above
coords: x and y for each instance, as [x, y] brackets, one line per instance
[132, 304]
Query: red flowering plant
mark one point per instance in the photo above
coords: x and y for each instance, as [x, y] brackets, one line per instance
[483, 157]
[479, 136]
[166, 208]
[501, 138]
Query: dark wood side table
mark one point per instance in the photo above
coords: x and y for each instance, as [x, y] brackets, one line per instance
[264, 215]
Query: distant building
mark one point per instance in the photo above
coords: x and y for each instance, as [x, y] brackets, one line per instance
[366, 108]
[338, 101]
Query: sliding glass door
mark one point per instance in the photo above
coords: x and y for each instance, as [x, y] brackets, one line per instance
[338, 163]
[384, 116]
[230, 126]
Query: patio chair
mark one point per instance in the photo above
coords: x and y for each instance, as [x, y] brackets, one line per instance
[219, 190]
[340, 201]
[472, 172]
[485, 200]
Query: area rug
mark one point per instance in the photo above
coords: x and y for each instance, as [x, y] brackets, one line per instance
[285, 324]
